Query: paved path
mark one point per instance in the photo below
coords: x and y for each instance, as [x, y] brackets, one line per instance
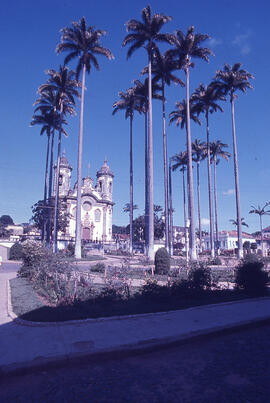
[227, 368]
[24, 344]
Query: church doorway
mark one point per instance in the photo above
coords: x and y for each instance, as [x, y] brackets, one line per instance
[86, 234]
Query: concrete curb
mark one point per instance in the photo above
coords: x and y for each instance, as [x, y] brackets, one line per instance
[126, 350]
[23, 322]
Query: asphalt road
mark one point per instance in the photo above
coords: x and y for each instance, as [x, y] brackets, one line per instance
[226, 368]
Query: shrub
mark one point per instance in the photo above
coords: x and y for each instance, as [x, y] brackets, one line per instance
[162, 261]
[33, 253]
[152, 290]
[16, 251]
[250, 258]
[199, 277]
[181, 288]
[70, 250]
[216, 261]
[251, 278]
[98, 268]
[108, 295]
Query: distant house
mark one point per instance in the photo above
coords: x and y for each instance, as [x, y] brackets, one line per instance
[178, 234]
[229, 240]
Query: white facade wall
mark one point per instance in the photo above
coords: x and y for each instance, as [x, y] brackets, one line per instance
[96, 206]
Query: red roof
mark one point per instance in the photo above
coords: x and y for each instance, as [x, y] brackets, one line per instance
[233, 233]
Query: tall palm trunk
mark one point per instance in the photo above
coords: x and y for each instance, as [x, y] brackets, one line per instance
[261, 227]
[192, 248]
[146, 217]
[199, 203]
[185, 216]
[237, 190]
[45, 190]
[131, 189]
[209, 187]
[56, 203]
[216, 207]
[78, 238]
[165, 159]
[150, 163]
[49, 223]
[171, 212]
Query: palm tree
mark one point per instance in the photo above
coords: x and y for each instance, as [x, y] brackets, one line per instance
[198, 155]
[216, 150]
[47, 105]
[46, 120]
[235, 222]
[141, 91]
[180, 117]
[260, 211]
[162, 69]
[63, 84]
[230, 80]
[128, 103]
[186, 48]
[170, 209]
[206, 99]
[146, 34]
[81, 42]
[180, 162]
[126, 208]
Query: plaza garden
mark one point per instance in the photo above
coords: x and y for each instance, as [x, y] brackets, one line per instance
[50, 287]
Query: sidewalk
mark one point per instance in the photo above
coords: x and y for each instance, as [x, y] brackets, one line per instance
[26, 345]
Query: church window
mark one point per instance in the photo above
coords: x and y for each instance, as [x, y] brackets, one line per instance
[97, 215]
[60, 179]
[87, 206]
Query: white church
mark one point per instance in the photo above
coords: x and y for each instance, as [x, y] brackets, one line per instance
[97, 204]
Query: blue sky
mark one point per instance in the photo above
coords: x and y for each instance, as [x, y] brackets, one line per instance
[29, 35]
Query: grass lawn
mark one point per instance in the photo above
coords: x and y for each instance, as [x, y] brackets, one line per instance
[28, 306]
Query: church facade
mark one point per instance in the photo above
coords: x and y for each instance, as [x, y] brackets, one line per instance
[96, 206]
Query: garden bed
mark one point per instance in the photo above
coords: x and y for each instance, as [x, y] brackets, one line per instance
[28, 306]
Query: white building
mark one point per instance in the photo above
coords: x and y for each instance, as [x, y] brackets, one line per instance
[229, 240]
[97, 204]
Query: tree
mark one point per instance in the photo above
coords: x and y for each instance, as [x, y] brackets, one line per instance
[180, 162]
[179, 116]
[261, 211]
[126, 208]
[198, 155]
[82, 43]
[128, 103]
[5, 220]
[146, 34]
[206, 99]
[216, 150]
[231, 80]
[235, 222]
[47, 104]
[141, 91]
[139, 227]
[39, 214]
[185, 48]
[49, 122]
[162, 69]
[63, 84]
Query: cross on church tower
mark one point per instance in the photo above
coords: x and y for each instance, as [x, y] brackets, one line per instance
[88, 167]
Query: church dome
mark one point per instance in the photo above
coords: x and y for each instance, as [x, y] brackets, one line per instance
[105, 170]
